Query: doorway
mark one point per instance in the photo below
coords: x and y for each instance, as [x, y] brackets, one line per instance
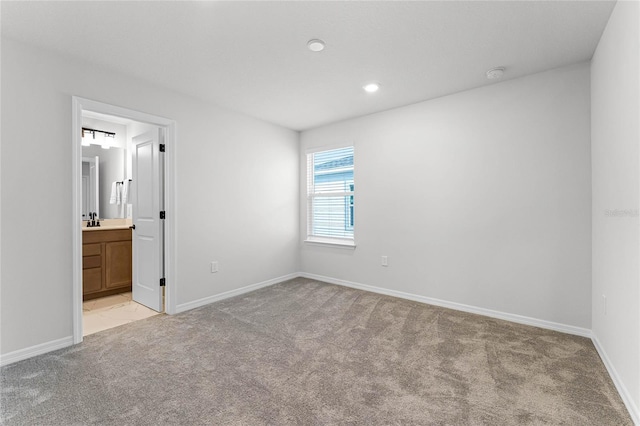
[147, 165]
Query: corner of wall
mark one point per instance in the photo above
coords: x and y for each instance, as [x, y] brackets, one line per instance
[626, 396]
[615, 159]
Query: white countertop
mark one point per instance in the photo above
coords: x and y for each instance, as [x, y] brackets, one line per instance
[108, 224]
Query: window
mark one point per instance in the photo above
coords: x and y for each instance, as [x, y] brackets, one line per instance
[330, 196]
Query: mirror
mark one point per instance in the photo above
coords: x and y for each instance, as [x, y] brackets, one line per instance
[104, 167]
[90, 186]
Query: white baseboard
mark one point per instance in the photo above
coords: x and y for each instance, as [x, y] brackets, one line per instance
[42, 348]
[231, 293]
[53, 345]
[569, 329]
[620, 386]
[632, 408]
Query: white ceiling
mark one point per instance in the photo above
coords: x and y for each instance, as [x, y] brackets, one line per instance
[252, 57]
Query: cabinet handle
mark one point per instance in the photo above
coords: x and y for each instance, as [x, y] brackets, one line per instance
[132, 227]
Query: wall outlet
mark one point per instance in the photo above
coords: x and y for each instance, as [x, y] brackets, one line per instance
[604, 304]
[214, 266]
[384, 261]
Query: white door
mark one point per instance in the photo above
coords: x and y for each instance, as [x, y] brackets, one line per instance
[148, 235]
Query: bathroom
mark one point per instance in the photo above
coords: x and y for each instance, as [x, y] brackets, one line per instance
[107, 222]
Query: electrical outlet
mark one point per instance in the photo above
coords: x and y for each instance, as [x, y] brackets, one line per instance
[604, 304]
[214, 266]
[384, 261]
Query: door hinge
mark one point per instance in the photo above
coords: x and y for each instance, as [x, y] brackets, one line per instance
[162, 215]
[161, 147]
[162, 282]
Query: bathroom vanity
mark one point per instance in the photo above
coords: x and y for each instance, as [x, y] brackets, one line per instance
[106, 261]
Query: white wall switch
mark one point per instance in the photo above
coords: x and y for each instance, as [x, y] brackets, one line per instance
[384, 261]
[214, 267]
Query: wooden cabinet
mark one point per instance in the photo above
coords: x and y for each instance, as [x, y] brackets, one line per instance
[106, 262]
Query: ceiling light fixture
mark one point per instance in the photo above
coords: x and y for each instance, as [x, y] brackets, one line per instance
[85, 138]
[315, 45]
[371, 87]
[495, 73]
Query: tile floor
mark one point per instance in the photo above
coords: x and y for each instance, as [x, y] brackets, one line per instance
[112, 311]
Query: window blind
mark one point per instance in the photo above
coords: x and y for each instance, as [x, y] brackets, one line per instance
[330, 209]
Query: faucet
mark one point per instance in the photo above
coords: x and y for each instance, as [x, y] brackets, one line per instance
[92, 220]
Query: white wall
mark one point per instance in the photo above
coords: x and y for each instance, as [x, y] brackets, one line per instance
[480, 198]
[615, 134]
[237, 191]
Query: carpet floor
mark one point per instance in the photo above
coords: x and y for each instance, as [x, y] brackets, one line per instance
[310, 353]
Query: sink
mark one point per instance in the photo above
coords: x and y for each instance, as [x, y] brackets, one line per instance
[106, 224]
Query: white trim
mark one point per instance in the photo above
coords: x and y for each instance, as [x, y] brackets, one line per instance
[311, 194]
[231, 293]
[632, 408]
[42, 348]
[569, 329]
[76, 216]
[626, 397]
[314, 149]
[78, 105]
[54, 345]
[171, 220]
[343, 243]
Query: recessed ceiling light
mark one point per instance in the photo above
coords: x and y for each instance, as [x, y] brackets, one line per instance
[495, 73]
[315, 45]
[371, 87]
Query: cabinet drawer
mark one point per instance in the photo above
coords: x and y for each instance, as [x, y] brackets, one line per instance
[89, 262]
[91, 249]
[106, 235]
[91, 280]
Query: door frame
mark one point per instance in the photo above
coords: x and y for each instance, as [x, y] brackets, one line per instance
[78, 105]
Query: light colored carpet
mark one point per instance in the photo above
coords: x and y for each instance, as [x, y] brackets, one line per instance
[309, 353]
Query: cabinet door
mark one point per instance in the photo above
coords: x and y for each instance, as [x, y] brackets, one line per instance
[91, 280]
[118, 264]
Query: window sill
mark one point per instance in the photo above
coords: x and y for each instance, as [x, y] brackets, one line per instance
[331, 242]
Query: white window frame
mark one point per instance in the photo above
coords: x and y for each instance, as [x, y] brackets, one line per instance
[346, 242]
